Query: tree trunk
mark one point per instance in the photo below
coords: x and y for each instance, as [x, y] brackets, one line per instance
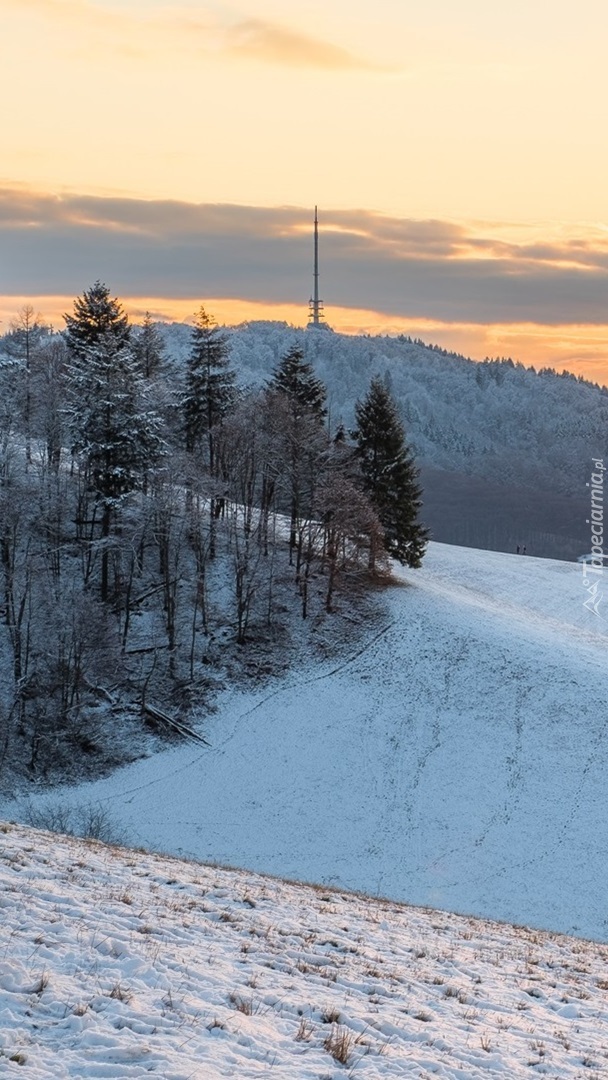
[106, 519]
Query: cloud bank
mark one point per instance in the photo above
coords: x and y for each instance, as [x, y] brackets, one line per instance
[58, 245]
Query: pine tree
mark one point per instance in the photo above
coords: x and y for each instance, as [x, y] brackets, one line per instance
[295, 378]
[390, 477]
[96, 315]
[210, 390]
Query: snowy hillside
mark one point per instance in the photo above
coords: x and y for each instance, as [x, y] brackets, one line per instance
[117, 964]
[458, 758]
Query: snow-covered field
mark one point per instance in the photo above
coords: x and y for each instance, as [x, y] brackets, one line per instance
[458, 758]
[117, 964]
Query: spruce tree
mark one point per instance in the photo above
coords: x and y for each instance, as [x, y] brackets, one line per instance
[111, 425]
[114, 431]
[295, 378]
[389, 474]
[96, 315]
[210, 386]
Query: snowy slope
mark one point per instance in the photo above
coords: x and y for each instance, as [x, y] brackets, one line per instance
[118, 965]
[458, 758]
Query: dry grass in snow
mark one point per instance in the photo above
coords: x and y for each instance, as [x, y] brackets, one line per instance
[120, 964]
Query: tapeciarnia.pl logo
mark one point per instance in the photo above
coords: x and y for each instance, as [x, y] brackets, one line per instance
[593, 564]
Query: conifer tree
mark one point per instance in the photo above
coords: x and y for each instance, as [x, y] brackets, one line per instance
[210, 390]
[389, 474]
[96, 315]
[112, 428]
[295, 378]
[115, 433]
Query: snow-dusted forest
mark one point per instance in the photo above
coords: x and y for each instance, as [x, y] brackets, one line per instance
[496, 419]
[156, 516]
[164, 516]
[504, 450]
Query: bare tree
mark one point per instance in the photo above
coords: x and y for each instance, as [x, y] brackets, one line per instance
[169, 536]
[49, 364]
[24, 335]
[351, 530]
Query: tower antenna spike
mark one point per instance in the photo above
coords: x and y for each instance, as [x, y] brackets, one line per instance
[316, 314]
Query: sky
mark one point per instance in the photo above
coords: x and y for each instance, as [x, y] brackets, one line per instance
[176, 151]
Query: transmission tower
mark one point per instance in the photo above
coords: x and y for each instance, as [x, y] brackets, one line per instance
[315, 306]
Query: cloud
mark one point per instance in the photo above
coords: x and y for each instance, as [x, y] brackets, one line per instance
[259, 40]
[433, 269]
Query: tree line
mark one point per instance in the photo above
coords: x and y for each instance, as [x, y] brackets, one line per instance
[141, 512]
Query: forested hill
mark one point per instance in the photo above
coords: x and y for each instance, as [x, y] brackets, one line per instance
[505, 451]
[496, 419]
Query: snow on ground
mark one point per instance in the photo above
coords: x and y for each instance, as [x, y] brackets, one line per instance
[120, 964]
[457, 759]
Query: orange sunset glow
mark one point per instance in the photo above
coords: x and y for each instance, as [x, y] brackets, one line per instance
[576, 348]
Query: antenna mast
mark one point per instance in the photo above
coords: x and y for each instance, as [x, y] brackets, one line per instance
[316, 305]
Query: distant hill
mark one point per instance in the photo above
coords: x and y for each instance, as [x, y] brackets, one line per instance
[505, 451]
